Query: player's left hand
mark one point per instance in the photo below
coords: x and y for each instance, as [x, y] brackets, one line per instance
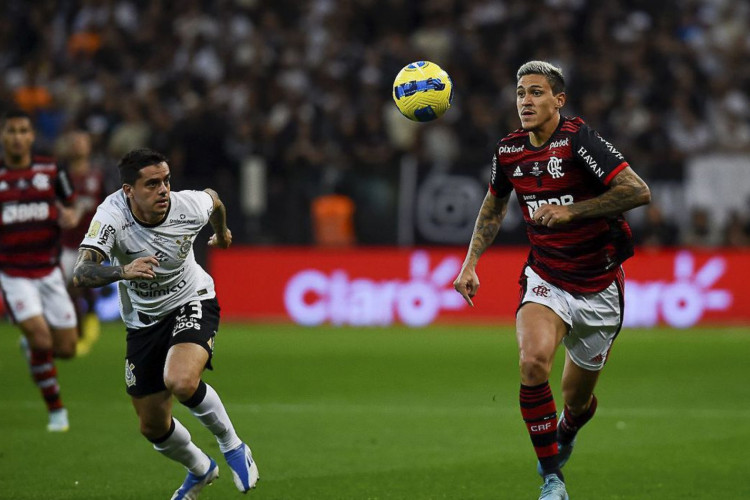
[221, 240]
[552, 215]
[68, 216]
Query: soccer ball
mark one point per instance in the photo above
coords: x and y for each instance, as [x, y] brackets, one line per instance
[423, 91]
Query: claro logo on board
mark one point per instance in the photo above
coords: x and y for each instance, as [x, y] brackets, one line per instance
[312, 297]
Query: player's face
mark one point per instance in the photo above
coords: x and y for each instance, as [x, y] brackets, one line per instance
[17, 137]
[536, 103]
[149, 196]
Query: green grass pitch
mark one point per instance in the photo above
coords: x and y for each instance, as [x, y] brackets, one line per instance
[394, 413]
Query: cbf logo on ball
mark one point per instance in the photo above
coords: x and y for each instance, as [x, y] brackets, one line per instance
[423, 91]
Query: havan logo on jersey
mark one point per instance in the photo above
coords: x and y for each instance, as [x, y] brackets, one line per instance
[14, 213]
[590, 161]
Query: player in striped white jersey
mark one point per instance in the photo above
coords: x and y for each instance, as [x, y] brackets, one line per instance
[170, 310]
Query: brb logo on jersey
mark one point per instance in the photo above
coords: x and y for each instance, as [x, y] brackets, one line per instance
[25, 212]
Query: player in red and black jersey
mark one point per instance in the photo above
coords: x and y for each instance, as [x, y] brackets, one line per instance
[573, 187]
[36, 199]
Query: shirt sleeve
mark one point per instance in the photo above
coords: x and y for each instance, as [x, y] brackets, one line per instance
[102, 233]
[597, 155]
[500, 186]
[201, 203]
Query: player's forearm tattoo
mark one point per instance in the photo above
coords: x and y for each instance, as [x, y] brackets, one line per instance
[90, 273]
[487, 225]
[626, 191]
[218, 218]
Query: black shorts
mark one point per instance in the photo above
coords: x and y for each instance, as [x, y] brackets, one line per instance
[196, 322]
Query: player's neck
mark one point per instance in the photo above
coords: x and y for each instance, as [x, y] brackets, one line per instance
[15, 162]
[79, 166]
[539, 136]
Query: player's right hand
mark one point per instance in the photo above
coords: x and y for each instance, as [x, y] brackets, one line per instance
[467, 284]
[141, 268]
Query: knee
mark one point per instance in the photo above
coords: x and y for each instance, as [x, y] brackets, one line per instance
[153, 429]
[535, 369]
[65, 351]
[183, 386]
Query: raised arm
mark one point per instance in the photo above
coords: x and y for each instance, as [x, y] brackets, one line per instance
[488, 222]
[222, 236]
[90, 272]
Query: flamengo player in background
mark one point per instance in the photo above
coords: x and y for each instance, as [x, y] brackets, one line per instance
[169, 307]
[33, 194]
[572, 187]
[88, 183]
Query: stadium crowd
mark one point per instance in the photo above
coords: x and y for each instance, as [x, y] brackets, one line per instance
[305, 86]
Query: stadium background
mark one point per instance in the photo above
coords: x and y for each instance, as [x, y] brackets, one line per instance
[284, 107]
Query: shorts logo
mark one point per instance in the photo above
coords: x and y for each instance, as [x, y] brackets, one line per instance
[129, 375]
[599, 358]
[541, 291]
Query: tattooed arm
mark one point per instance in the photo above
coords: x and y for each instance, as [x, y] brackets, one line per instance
[90, 273]
[222, 236]
[626, 191]
[491, 215]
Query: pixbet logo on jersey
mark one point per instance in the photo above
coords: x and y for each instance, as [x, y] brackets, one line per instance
[312, 297]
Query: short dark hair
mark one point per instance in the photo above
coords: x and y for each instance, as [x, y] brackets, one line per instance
[553, 74]
[131, 164]
[15, 113]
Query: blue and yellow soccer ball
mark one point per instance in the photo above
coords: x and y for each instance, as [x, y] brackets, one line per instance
[423, 91]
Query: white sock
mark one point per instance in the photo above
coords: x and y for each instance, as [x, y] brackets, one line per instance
[213, 416]
[180, 448]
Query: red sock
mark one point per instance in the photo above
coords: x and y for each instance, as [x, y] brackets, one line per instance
[570, 424]
[539, 413]
[45, 376]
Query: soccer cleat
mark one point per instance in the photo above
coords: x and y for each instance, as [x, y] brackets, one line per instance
[58, 421]
[244, 470]
[553, 489]
[193, 484]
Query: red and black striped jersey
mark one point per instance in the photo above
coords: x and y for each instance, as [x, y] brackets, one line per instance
[89, 189]
[574, 165]
[29, 233]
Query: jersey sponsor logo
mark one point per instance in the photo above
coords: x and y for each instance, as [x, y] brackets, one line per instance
[152, 289]
[560, 143]
[554, 167]
[40, 181]
[22, 184]
[183, 220]
[127, 225]
[105, 233]
[517, 172]
[188, 317]
[566, 199]
[610, 147]
[494, 170]
[590, 161]
[509, 149]
[161, 256]
[94, 229]
[541, 291]
[14, 213]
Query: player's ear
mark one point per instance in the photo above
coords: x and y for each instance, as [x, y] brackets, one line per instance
[128, 190]
[561, 98]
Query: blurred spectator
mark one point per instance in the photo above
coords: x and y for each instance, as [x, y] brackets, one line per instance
[735, 232]
[701, 230]
[306, 86]
[656, 230]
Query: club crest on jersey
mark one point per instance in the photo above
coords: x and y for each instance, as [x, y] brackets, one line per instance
[185, 244]
[554, 167]
[40, 181]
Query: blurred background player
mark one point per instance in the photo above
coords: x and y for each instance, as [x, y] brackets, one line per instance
[170, 310]
[36, 196]
[88, 183]
[572, 187]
